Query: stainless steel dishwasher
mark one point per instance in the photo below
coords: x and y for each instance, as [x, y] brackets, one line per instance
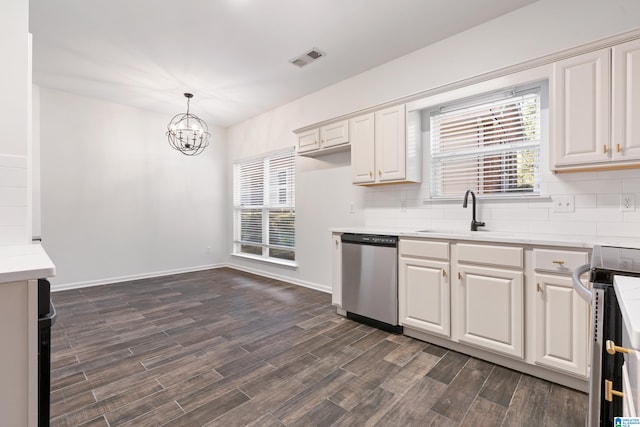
[370, 279]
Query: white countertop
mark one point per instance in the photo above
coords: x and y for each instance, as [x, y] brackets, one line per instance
[481, 236]
[628, 293]
[569, 241]
[24, 262]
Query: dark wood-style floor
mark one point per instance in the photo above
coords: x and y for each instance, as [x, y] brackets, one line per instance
[226, 348]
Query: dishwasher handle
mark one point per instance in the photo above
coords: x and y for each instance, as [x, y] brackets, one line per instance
[584, 292]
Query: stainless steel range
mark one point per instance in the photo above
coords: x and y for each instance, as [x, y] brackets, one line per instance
[607, 262]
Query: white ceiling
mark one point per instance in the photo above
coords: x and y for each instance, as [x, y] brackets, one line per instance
[232, 54]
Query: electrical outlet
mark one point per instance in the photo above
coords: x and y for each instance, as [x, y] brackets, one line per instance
[403, 206]
[208, 249]
[627, 203]
[563, 203]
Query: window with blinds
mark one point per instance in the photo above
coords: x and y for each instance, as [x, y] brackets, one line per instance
[490, 145]
[264, 206]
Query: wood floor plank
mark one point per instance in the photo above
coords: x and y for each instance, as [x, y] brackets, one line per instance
[529, 403]
[147, 403]
[257, 385]
[199, 396]
[323, 415]
[566, 408]
[323, 367]
[403, 354]
[352, 393]
[448, 367]
[267, 420]
[462, 391]
[410, 373]
[270, 397]
[301, 404]
[484, 413]
[369, 411]
[372, 339]
[362, 363]
[157, 416]
[500, 385]
[414, 407]
[97, 422]
[435, 350]
[211, 410]
[285, 358]
[338, 342]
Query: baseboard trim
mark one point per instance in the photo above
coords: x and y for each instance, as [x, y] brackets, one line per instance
[120, 279]
[304, 284]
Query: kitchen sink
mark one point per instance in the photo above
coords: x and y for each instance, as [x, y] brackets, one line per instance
[451, 232]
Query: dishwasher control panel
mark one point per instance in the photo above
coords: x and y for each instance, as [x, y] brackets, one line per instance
[370, 239]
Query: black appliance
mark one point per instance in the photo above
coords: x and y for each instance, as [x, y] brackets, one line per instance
[46, 319]
[606, 324]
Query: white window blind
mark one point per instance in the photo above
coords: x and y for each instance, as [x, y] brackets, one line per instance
[490, 145]
[264, 206]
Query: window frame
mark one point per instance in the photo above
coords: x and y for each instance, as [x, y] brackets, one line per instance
[451, 93]
[485, 153]
[271, 201]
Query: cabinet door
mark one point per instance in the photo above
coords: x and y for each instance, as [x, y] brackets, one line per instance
[580, 91]
[423, 295]
[309, 141]
[561, 325]
[336, 264]
[626, 101]
[334, 134]
[361, 133]
[490, 308]
[390, 142]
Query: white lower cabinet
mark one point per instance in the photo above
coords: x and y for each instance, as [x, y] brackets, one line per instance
[424, 297]
[490, 309]
[509, 304]
[562, 325]
[336, 273]
[423, 291]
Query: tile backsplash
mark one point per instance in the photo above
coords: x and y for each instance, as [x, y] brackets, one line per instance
[596, 211]
[13, 200]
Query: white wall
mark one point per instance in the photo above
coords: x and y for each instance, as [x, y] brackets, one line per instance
[117, 201]
[324, 192]
[14, 85]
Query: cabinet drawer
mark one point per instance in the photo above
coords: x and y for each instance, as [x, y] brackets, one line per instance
[490, 254]
[556, 261]
[424, 249]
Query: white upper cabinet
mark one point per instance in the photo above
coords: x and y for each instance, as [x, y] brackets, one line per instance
[580, 90]
[362, 149]
[328, 138]
[309, 141]
[595, 103]
[626, 101]
[334, 134]
[380, 153]
[390, 142]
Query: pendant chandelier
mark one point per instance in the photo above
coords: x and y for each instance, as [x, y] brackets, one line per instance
[187, 133]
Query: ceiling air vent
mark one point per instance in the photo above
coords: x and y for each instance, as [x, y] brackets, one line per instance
[308, 57]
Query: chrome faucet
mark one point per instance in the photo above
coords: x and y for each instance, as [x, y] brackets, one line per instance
[474, 224]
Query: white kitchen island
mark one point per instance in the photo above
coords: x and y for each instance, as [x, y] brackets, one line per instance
[20, 267]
